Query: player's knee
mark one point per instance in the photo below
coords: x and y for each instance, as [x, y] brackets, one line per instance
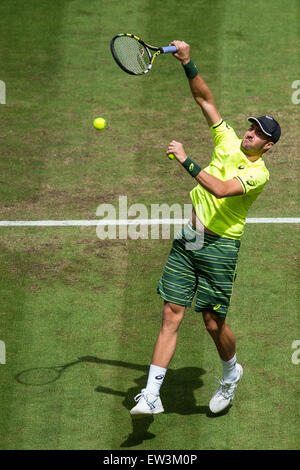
[172, 315]
[174, 308]
[212, 327]
[213, 324]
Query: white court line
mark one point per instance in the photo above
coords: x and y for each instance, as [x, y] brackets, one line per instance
[273, 220]
[105, 222]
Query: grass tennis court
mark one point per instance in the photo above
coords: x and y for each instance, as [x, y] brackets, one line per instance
[90, 306]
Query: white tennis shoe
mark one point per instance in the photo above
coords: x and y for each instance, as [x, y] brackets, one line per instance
[147, 404]
[225, 393]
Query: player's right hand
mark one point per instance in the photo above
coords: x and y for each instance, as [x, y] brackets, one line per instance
[183, 51]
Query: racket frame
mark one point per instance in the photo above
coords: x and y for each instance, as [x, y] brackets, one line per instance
[148, 47]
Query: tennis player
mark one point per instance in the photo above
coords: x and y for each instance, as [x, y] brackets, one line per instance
[225, 190]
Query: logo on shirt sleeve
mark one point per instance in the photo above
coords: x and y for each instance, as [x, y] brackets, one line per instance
[251, 182]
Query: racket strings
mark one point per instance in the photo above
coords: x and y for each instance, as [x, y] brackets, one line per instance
[131, 54]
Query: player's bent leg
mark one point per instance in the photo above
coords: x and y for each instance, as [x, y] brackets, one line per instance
[221, 334]
[148, 401]
[232, 371]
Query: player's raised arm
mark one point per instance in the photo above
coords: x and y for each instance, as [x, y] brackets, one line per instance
[199, 89]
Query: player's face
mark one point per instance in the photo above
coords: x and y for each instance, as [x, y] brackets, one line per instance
[254, 140]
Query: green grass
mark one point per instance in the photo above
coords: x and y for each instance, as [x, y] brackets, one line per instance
[67, 296]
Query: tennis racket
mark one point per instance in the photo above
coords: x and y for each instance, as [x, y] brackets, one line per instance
[133, 55]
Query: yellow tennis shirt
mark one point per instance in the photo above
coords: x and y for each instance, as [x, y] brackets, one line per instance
[227, 216]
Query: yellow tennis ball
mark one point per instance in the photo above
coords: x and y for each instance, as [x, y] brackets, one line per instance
[99, 123]
[171, 156]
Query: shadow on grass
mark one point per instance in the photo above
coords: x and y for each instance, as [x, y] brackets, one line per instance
[177, 393]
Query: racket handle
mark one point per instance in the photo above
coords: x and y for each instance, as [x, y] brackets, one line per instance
[171, 156]
[166, 49]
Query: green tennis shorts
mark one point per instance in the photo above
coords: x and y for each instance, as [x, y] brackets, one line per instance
[200, 264]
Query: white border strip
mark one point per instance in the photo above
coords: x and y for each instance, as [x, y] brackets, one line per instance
[105, 222]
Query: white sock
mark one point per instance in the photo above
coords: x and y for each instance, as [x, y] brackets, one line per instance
[155, 379]
[229, 370]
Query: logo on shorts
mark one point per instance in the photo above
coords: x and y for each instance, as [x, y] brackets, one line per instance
[216, 307]
[241, 167]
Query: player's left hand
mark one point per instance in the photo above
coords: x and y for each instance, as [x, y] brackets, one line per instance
[177, 149]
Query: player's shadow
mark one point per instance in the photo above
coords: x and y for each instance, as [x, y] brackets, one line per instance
[177, 395]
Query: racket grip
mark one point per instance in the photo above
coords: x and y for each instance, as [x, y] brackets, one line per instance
[166, 49]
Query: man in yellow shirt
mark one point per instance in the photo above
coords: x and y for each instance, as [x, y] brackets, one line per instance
[225, 191]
